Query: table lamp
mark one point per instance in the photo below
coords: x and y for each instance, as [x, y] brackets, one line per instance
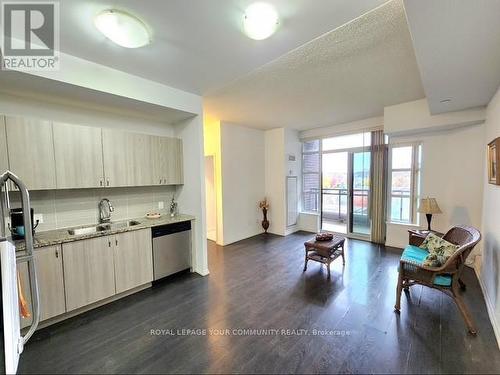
[429, 206]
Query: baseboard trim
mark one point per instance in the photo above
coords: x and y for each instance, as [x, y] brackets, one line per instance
[204, 272]
[95, 305]
[489, 308]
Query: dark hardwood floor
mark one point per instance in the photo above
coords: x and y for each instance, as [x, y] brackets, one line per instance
[258, 284]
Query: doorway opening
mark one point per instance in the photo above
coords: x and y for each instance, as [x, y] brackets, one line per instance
[211, 198]
[345, 185]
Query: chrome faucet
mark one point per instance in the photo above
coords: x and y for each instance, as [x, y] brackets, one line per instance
[105, 209]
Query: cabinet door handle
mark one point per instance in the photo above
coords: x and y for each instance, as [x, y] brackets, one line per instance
[107, 182]
[57, 253]
[164, 181]
[100, 182]
[109, 243]
[160, 181]
[116, 242]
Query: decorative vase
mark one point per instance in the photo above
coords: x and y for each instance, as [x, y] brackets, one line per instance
[265, 222]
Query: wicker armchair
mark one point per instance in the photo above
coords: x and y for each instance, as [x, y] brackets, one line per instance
[445, 278]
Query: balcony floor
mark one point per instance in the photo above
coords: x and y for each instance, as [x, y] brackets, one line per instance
[340, 227]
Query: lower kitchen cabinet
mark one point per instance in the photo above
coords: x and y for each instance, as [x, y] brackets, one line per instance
[79, 273]
[133, 259]
[51, 281]
[50, 277]
[88, 271]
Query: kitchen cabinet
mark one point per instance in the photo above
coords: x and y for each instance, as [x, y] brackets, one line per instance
[88, 271]
[4, 161]
[174, 160]
[159, 152]
[31, 152]
[48, 155]
[127, 158]
[133, 259]
[167, 161]
[78, 156]
[50, 283]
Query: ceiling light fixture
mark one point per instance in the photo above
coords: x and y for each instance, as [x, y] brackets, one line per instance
[123, 28]
[260, 21]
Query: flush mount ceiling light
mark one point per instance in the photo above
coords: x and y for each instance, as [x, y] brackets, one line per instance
[260, 21]
[123, 28]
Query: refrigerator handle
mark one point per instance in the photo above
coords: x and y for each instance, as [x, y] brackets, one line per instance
[29, 257]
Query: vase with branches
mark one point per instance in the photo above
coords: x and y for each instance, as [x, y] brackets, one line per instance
[264, 206]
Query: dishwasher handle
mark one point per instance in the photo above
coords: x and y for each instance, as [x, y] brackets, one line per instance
[165, 230]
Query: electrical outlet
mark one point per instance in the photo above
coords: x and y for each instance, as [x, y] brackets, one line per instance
[161, 205]
[38, 217]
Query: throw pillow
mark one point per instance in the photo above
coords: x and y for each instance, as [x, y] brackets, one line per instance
[439, 250]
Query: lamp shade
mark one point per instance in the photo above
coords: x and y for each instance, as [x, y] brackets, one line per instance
[429, 206]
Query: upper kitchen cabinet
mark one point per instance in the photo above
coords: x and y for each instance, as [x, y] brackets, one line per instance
[167, 158]
[127, 158]
[174, 161]
[31, 152]
[78, 155]
[4, 160]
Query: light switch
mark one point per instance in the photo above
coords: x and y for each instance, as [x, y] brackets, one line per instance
[161, 205]
[38, 217]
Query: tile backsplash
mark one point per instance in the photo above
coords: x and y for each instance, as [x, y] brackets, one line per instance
[69, 208]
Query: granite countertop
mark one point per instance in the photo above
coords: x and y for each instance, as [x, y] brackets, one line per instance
[59, 236]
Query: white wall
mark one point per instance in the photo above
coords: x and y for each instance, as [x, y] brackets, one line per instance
[191, 195]
[211, 198]
[369, 124]
[309, 222]
[415, 117]
[489, 264]
[243, 181]
[452, 172]
[60, 112]
[293, 147]
[275, 179]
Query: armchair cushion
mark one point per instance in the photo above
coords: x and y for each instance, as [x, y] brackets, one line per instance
[417, 255]
[439, 250]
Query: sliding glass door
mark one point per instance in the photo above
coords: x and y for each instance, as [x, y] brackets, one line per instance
[345, 192]
[335, 186]
[360, 223]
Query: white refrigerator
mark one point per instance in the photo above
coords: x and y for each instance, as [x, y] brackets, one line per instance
[11, 339]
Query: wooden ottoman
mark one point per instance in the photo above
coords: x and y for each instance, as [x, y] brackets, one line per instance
[324, 251]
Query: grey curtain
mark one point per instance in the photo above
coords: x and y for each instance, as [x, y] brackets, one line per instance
[378, 192]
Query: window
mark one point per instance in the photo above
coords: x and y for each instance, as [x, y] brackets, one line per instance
[404, 183]
[310, 176]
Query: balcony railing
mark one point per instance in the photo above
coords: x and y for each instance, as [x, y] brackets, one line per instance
[335, 202]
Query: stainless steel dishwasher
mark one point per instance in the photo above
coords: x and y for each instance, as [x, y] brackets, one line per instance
[171, 248]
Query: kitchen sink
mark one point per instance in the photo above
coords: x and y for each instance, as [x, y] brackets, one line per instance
[122, 224]
[102, 227]
[88, 230]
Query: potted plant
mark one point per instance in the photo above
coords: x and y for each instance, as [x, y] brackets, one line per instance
[264, 206]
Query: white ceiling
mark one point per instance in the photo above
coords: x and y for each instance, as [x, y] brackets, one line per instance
[330, 62]
[348, 74]
[457, 44]
[198, 45]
